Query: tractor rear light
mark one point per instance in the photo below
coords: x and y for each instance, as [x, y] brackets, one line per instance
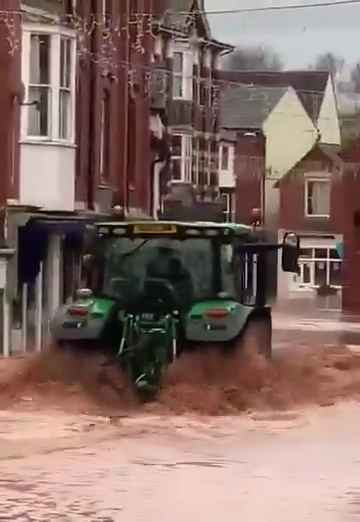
[78, 312]
[217, 313]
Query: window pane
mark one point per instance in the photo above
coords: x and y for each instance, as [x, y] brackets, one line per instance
[187, 146]
[335, 273]
[321, 253]
[334, 254]
[178, 63]
[225, 158]
[176, 164]
[176, 145]
[177, 87]
[38, 123]
[64, 114]
[320, 273]
[306, 252]
[40, 59]
[306, 274]
[65, 63]
[318, 198]
[187, 173]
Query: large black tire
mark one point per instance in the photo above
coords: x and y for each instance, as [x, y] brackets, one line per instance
[257, 337]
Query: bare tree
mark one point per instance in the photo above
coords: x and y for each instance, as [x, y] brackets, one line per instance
[254, 58]
[355, 77]
[329, 62]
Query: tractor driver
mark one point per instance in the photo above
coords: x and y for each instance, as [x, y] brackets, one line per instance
[167, 265]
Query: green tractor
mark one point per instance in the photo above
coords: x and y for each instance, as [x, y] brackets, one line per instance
[159, 288]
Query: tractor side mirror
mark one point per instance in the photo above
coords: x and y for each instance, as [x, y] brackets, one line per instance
[290, 253]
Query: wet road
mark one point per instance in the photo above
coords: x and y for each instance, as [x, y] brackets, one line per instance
[294, 466]
[270, 468]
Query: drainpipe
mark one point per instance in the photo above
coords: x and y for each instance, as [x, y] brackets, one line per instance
[153, 165]
[92, 115]
[125, 202]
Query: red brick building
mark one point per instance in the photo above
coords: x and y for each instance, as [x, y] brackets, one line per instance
[190, 54]
[347, 190]
[113, 109]
[320, 200]
[78, 100]
[311, 205]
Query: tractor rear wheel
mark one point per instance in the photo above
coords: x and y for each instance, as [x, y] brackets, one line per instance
[257, 336]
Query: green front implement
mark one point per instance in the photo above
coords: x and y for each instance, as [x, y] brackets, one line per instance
[148, 345]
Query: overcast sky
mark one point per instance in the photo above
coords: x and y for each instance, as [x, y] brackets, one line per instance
[298, 35]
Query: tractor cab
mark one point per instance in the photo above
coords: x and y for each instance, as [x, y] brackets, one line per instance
[187, 262]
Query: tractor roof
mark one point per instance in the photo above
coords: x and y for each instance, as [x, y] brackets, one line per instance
[172, 228]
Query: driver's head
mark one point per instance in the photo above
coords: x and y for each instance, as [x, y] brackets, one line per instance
[175, 265]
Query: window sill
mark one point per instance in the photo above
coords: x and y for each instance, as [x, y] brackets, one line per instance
[176, 98]
[48, 142]
[317, 216]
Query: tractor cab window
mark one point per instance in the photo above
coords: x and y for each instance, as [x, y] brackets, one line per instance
[227, 271]
[186, 267]
[245, 277]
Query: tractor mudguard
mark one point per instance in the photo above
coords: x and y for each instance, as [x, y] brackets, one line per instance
[217, 321]
[82, 320]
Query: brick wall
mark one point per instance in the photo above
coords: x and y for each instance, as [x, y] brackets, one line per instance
[121, 82]
[10, 100]
[249, 172]
[292, 197]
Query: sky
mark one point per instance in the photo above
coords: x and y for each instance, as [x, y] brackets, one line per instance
[298, 35]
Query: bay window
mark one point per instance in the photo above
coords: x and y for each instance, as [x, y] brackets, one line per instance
[48, 72]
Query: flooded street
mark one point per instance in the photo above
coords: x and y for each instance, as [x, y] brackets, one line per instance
[283, 446]
[275, 467]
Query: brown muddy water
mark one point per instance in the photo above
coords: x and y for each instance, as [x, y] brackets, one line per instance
[228, 440]
[298, 466]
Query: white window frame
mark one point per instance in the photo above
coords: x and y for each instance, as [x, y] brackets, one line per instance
[299, 284]
[56, 33]
[185, 158]
[325, 181]
[186, 73]
[229, 212]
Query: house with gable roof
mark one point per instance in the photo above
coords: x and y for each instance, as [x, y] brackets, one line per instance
[316, 93]
[285, 156]
[273, 130]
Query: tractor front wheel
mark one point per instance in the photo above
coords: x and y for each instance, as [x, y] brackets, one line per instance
[257, 337]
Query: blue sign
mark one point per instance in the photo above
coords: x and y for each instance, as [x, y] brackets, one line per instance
[340, 248]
